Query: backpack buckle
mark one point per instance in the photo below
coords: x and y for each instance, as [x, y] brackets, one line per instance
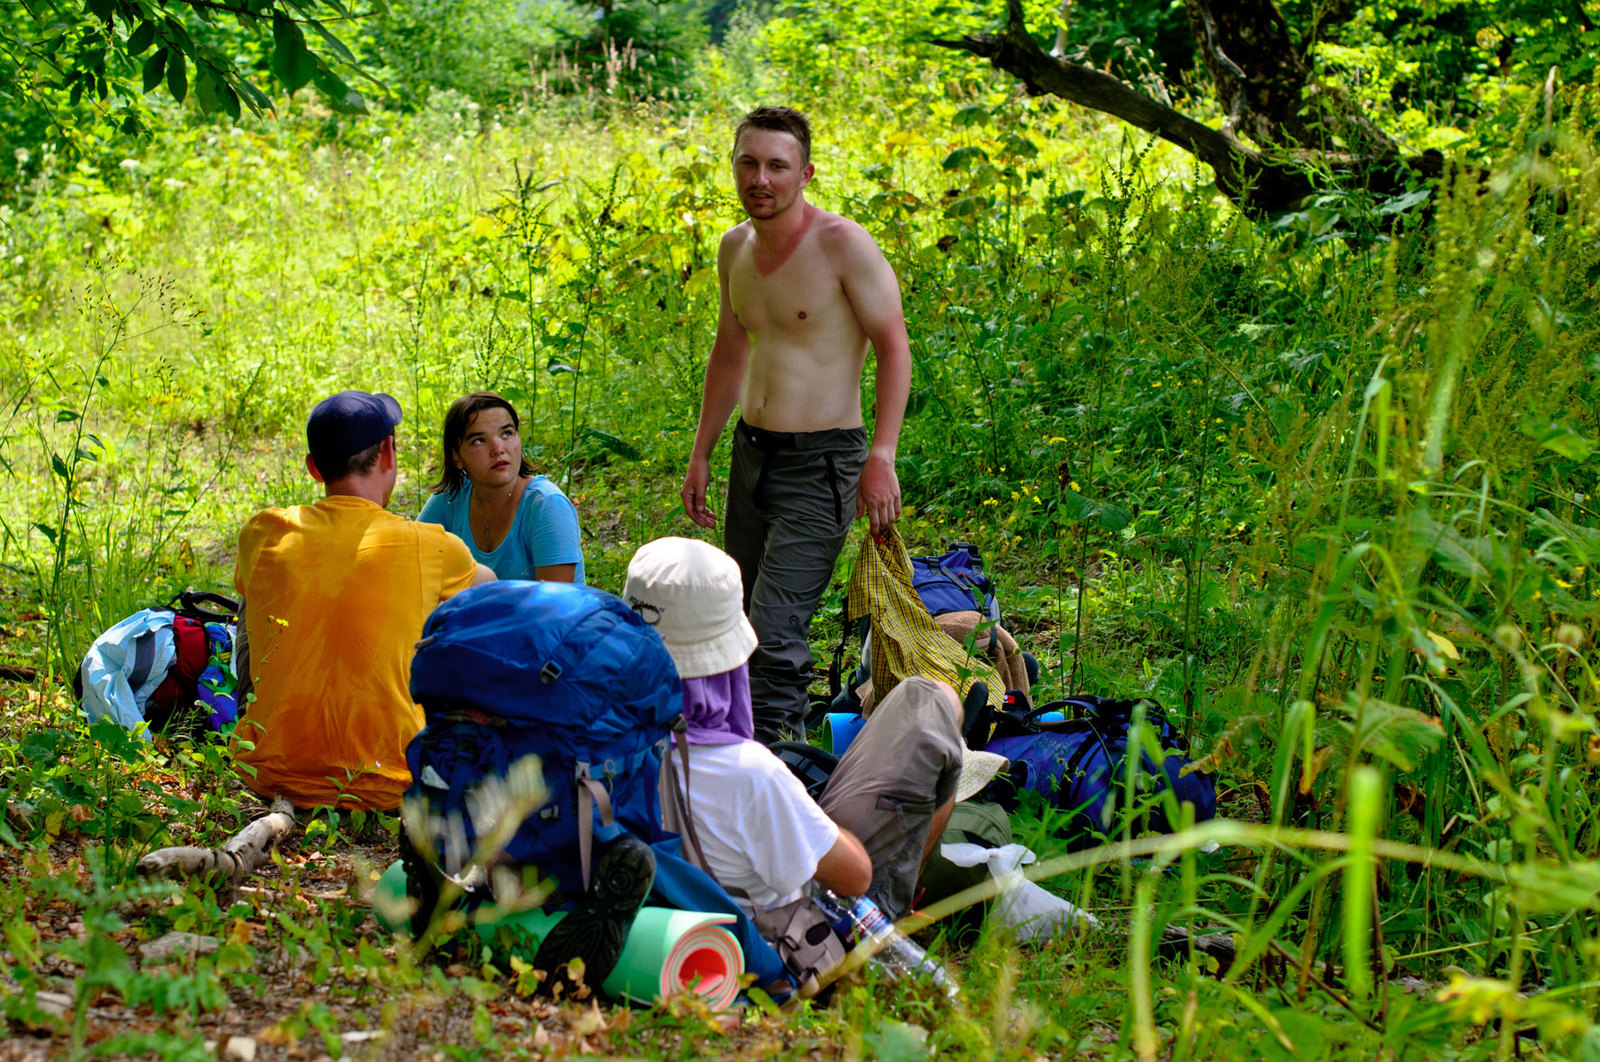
[549, 673]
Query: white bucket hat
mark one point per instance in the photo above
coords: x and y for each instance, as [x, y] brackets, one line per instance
[691, 593]
[977, 770]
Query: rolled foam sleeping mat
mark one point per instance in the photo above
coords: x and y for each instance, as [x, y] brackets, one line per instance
[667, 952]
[839, 729]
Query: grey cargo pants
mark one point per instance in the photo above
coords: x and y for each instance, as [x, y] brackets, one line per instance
[791, 498]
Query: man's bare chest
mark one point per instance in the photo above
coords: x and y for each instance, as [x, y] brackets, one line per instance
[800, 296]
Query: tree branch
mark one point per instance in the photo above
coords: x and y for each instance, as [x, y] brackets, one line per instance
[1240, 172]
[234, 861]
[1259, 183]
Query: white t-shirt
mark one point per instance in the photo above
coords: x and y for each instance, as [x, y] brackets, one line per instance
[758, 828]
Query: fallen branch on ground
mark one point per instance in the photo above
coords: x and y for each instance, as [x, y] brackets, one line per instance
[235, 861]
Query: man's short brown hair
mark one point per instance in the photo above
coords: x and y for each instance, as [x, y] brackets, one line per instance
[778, 120]
[357, 464]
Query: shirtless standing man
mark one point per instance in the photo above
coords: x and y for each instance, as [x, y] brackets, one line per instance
[804, 293]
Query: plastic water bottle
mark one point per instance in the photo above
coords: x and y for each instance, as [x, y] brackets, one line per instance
[860, 922]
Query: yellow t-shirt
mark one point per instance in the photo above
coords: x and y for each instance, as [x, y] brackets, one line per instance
[335, 597]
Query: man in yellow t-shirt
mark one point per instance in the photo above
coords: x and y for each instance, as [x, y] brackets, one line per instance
[335, 595]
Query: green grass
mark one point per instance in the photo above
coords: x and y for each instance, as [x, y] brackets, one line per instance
[1323, 486]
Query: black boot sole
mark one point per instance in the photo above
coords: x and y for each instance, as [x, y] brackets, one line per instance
[597, 928]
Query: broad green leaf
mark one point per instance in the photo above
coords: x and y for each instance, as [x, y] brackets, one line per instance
[1454, 551]
[341, 97]
[230, 101]
[141, 38]
[64, 415]
[968, 206]
[291, 63]
[1402, 204]
[254, 98]
[1392, 732]
[1080, 508]
[1558, 438]
[177, 76]
[60, 466]
[964, 157]
[176, 35]
[333, 42]
[614, 443]
[1019, 147]
[47, 531]
[207, 88]
[970, 116]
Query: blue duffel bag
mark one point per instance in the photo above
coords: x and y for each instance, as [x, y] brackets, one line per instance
[1079, 762]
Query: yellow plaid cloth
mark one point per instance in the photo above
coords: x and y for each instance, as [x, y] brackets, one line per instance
[905, 640]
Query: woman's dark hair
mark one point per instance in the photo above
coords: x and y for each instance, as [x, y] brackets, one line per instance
[456, 421]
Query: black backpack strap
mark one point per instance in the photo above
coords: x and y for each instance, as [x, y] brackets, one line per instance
[836, 667]
[204, 606]
[813, 766]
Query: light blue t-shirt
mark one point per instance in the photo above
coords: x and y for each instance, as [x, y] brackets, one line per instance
[545, 530]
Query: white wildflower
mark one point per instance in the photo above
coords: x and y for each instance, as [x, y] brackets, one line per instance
[129, 164]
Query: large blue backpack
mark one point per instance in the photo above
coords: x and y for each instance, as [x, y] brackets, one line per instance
[1080, 764]
[575, 677]
[569, 674]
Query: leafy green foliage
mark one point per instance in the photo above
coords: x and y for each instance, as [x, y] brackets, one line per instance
[1322, 486]
[71, 63]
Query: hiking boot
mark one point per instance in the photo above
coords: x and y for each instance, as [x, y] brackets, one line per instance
[595, 930]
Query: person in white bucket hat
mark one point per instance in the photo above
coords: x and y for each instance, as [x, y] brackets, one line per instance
[759, 833]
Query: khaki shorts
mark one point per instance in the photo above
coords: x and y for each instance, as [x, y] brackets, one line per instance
[898, 771]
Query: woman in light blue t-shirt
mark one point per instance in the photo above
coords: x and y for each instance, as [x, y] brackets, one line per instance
[516, 523]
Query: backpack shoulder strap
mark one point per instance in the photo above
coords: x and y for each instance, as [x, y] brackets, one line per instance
[591, 794]
[144, 658]
[682, 805]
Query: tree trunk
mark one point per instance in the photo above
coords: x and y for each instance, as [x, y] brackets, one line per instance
[235, 861]
[1262, 82]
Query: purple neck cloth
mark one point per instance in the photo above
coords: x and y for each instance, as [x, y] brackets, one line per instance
[717, 708]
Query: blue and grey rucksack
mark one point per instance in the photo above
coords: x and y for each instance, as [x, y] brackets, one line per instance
[953, 581]
[1079, 762]
[573, 676]
[565, 673]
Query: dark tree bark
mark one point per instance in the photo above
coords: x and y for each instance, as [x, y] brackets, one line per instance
[1285, 137]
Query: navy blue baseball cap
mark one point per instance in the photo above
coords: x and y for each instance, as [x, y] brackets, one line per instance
[344, 424]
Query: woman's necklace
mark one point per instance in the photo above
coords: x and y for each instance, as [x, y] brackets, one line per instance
[494, 509]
